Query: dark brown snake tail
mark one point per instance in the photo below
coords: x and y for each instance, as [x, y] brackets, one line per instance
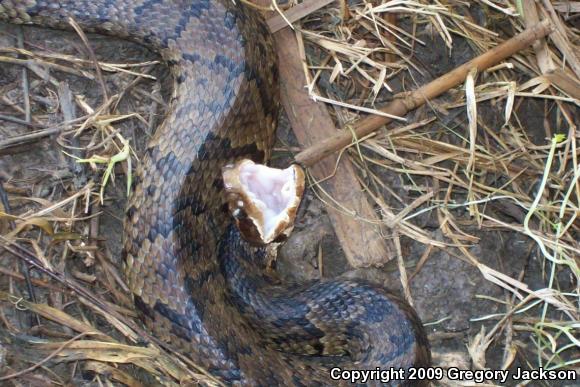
[195, 282]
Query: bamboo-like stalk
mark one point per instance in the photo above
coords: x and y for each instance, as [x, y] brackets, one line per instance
[404, 104]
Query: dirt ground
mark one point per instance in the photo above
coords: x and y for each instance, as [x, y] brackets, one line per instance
[447, 290]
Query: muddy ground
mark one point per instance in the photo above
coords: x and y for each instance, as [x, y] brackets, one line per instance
[445, 290]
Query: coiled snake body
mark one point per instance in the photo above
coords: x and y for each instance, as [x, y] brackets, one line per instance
[193, 279]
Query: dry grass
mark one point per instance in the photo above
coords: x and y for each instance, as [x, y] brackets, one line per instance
[454, 162]
[48, 234]
[459, 166]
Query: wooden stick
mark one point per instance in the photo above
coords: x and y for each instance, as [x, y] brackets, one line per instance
[363, 242]
[276, 23]
[407, 102]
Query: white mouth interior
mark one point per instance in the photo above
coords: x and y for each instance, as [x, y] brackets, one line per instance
[272, 190]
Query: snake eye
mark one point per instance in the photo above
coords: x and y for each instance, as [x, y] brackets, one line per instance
[263, 200]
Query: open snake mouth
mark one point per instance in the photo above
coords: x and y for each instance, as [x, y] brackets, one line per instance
[263, 200]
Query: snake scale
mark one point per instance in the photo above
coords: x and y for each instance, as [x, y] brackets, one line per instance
[196, 283]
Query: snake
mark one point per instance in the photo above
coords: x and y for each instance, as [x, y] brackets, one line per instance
[197, 285]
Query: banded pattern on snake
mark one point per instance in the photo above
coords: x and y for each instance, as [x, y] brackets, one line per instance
[196, 283]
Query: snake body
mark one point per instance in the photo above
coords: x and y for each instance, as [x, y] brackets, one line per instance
[196, 284]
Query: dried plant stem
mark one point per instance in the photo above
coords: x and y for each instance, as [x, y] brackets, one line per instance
[46, 359]
[404, 104]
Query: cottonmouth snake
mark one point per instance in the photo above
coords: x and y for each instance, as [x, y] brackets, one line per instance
[194, 281]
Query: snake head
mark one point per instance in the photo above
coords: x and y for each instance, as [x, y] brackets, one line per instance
[263, 200]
